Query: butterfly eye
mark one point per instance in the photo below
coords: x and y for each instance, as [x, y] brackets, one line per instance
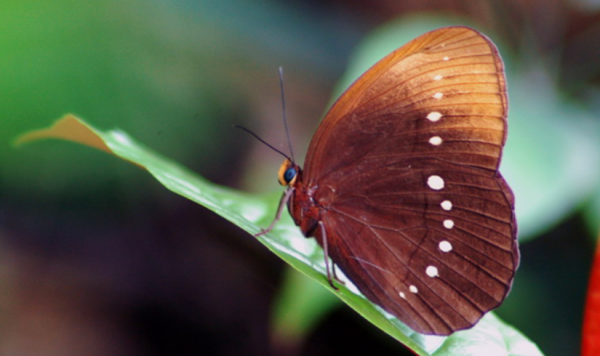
[289, 174]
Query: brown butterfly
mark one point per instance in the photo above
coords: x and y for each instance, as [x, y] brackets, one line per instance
[401, 185]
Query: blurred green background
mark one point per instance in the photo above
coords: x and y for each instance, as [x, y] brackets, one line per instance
[97, 258]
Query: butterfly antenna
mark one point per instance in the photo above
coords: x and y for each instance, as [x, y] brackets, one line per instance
[263, 141]
[287, 131]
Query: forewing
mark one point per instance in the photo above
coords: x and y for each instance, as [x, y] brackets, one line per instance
[449, 80]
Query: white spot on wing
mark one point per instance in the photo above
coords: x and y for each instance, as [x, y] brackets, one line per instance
[432, 271]
[402, 295]
[434, 116]
[445, 58]
[435, 182]
[446, 205]
[435, 140]
[437, 77]
[413, 289]
[445, 246]
[438, 95]
[448, 224]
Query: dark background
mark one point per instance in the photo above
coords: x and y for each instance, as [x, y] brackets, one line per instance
[97, 258]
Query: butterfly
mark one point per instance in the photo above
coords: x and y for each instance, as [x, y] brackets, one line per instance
[401, 185]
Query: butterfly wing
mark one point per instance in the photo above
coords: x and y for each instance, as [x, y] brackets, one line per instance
[405, 170]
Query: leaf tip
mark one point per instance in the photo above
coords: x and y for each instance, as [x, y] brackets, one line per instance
[70, 128]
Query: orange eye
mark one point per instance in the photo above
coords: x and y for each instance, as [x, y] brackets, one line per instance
[287, 173]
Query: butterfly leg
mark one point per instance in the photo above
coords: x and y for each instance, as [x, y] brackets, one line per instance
[335, 275]
[282, 203]
[330, 271]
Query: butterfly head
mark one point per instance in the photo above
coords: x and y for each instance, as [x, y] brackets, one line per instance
[288, 173]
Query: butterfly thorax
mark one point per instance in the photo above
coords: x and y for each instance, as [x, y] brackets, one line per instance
[303, 207]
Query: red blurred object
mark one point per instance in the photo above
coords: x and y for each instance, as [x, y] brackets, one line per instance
[591, 319]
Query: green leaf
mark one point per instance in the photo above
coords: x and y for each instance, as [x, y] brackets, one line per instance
[251, 212]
